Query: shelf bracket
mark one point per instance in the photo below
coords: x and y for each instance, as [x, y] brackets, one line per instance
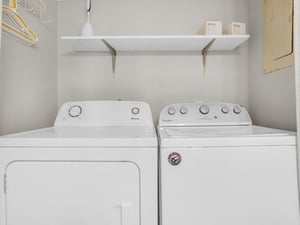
[204, 54]
[113, 53]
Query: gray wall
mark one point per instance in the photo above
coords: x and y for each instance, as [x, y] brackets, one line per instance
[271, 96]
[157, 78]
[0, 29]
[28, 77]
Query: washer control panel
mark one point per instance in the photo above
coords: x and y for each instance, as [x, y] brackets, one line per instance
[104, 113]
[204, 114]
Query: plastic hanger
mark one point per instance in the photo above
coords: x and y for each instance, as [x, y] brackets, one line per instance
[22, 31]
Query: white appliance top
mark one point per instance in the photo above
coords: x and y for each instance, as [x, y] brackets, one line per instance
[215, 124]
[94, 123]
[104, 114]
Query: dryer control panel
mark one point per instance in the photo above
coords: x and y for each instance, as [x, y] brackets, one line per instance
[104, 113]
[204, 114]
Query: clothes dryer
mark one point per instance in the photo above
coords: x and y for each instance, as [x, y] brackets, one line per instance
[216, 168]
[97, 165]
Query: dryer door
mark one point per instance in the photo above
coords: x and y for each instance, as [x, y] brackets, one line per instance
[73, 193]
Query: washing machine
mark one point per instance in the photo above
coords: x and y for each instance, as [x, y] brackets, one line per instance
[97, 165]
[216, 168]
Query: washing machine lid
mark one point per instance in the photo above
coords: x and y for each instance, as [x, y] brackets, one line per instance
[83, 137]
[224, 136]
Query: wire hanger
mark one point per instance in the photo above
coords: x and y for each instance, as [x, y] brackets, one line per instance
[22, 31]
[35, 7]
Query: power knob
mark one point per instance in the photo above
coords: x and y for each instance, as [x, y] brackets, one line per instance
[75, 111]
[204, 109]
[171, 111]
[237, 110]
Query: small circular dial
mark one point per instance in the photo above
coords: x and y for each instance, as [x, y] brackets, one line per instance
[75, 111]
[171, 111]
[225, 109]
[183, 110]
[135, 110]
[237, 110]
[204, 109]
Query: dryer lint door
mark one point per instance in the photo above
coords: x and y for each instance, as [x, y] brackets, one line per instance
[77, 193]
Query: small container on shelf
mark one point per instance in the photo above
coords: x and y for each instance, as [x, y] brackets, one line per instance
[211, 27]
[236, 28]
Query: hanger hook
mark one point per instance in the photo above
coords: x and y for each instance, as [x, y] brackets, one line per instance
[89, 6]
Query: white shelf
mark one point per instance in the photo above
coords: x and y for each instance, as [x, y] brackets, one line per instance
[157, 43]
[86, 44]
[154, 43]
[228, 42]
[115, 44]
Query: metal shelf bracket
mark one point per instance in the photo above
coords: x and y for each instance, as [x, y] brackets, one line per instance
[113, 53]
[204, 54]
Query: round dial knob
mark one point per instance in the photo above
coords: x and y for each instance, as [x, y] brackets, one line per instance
[135, 110]
[171, 111]
[183, 110]
[225, 109]
[75, 111]
[204, 109]
[237, 110]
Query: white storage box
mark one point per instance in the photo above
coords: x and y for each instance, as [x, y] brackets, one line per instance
[211, 27]
[236, 28]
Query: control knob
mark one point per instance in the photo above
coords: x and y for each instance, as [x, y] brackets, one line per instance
[225, 109]
[237, 110]
[204, 109]
[183, 110]
[75, 111]
[135, 110]
[171, 111]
